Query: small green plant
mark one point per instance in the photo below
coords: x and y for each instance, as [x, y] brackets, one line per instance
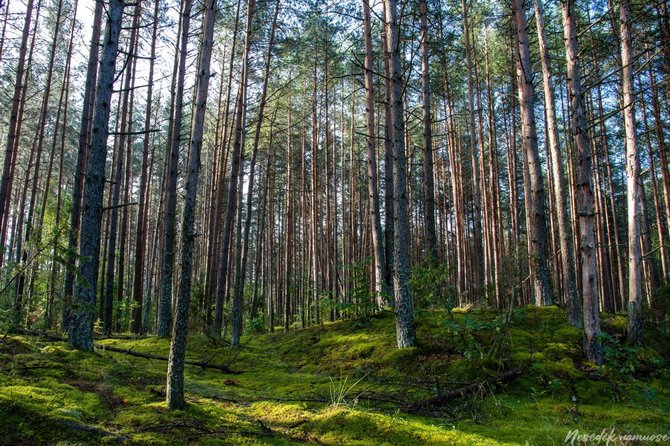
[619, 356]
[361, 302]
[430, 286]
[480, 339]
[340, 390]
[660, 305]
[257, 325]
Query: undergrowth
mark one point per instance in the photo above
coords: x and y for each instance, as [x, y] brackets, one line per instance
[344, 383]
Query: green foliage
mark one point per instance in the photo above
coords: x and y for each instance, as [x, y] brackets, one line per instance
[362, 302]
[620, 356]
[430, 286]
[660, 308]
[481, 338]
[257, 325]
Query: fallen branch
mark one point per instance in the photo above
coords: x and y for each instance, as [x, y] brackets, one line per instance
[204, 365]
[466, 390]
[94, 431]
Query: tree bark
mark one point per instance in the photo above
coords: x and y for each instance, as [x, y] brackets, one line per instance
[142, 211]
[632, 178]
[535, 201]
[14, 131]
[238, 297]
[371, 152]
[567, 255]
[175, 373]
[172, 161]
[82, 310]
[428, 174]
[585, 198]
[237, 156]
[405, 330]
[478, 265]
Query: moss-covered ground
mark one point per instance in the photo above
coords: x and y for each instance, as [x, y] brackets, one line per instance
[343, 383]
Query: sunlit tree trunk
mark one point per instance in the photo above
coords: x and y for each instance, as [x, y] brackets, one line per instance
[172, 160]
[142, 211]
[14, 131]
[405, 331]
[428, 180]
[632, 178]
[373, 192]
[558, 176]
[534, 187]
[585, 198]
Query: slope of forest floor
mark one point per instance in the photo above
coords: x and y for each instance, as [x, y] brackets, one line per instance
[345, 383]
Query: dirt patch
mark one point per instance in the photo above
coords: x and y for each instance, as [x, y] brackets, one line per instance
[108, 399]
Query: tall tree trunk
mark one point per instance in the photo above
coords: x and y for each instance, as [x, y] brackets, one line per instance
[428, 180]
[632, 178]
[389, 233]
[237, 156]
[14, 131]
[535, 197]
[405, 330]
[241, 273]
[175, 373]
[82, 309]
[126, 122]
[558, 176]
[585, 198]
[373, 192]
[476, 185]
[82, 149]
[142, 211]
[172, 161]
[4, 28]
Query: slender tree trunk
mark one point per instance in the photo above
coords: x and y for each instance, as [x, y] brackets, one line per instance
[82, 309]
[241, 274]
[373, 192]
[585, 198]
[428, 175]
[231, 205]
[558, 176]
[142, 211]
[175, 373]
[172, 161]
[389, 233]
[662, 151]
[4, 28]
[405, 331]
[632, 178]
[82, 150]
[535, 196]
[476, 185]
[14, 131]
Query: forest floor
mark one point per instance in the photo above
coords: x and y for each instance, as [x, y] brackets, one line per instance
[345, 383]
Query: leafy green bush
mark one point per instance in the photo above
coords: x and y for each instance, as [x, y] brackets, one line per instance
[482, 339]
[430, 286]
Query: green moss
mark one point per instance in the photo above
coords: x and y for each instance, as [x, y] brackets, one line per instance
[283, 396]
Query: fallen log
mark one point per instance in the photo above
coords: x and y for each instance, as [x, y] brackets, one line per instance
[203, 364]
[466, 390]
